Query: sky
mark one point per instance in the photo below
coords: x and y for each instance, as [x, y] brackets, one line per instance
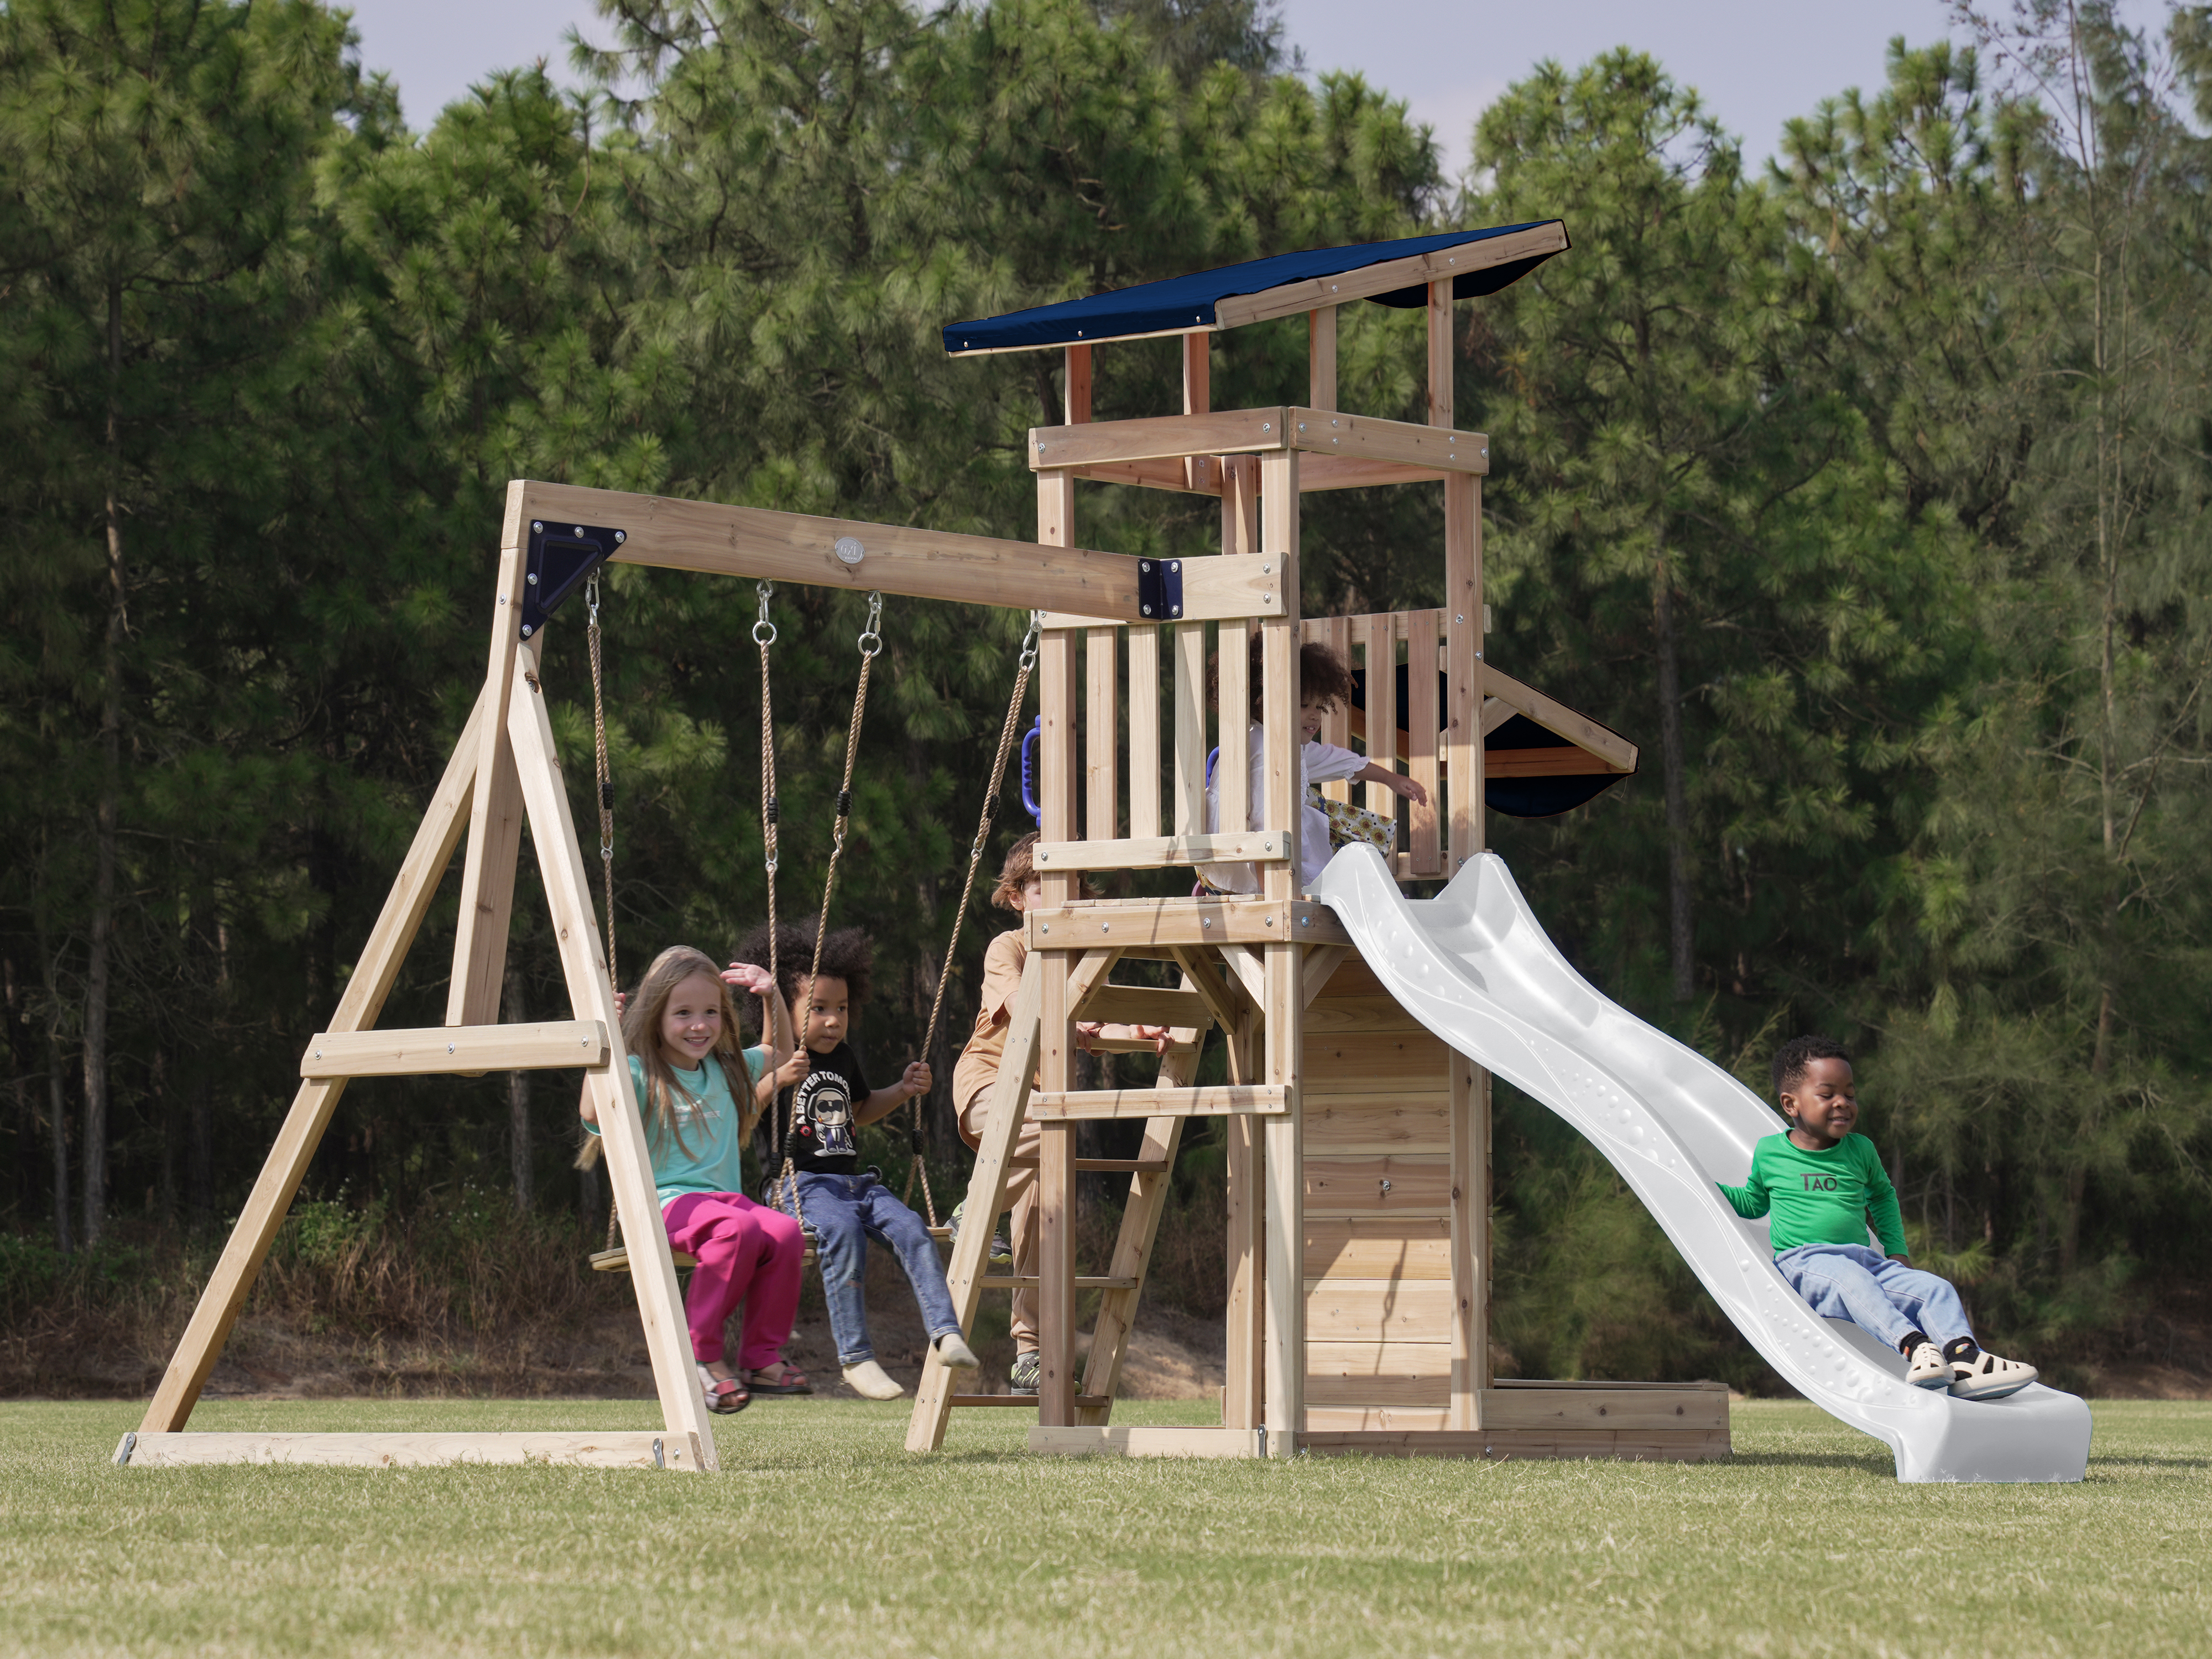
[1757, 62]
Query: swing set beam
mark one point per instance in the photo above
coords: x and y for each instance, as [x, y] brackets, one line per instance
[756, 543]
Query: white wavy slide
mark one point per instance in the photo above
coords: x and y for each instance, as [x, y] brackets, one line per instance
[1475, 967]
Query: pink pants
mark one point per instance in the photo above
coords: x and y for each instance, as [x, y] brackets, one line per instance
[747, 1253]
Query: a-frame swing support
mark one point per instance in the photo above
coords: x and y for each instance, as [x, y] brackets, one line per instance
[503, 771]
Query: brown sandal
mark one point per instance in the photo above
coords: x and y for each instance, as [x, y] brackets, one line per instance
[790, 1380]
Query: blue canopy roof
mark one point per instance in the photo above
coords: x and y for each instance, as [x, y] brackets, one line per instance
[1188, 302]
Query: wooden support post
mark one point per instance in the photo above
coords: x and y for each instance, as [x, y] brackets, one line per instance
[1320, 357]
[444, 822]
[1055, 1203]
[496, 820]
[1463, 750]
[1243, 1400]
[1284, 1012]
[987, 1192]
[1197, 371]
[1470, 1325]
[1463, 765]
[621, 1130]
[1076, 393]
[1440, 352]
[1198, 471]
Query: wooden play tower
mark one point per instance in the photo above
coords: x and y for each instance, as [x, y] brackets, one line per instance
[1358, 1145]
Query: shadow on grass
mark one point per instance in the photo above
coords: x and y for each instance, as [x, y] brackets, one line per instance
[1871, 1462]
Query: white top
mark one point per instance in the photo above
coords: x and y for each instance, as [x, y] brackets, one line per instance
[1318, 763]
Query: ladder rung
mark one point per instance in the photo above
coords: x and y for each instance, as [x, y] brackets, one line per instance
[1143, 1005]
[1104, 1165]
[1025, 1281]
[1212, 1100]
[1085, 1401]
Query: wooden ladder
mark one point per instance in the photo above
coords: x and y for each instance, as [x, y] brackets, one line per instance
[1084, 992]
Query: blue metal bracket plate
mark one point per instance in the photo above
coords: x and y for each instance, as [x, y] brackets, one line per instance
[1159, 589]
[561, 555]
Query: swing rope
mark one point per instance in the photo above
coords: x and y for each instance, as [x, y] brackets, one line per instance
[871, 645]
[990, 812]
[764, 636]
[604, 776]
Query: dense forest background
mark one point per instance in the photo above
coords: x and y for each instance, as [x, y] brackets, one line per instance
[1866, 491]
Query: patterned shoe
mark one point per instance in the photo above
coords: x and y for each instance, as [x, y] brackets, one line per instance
[1986, 1376]
[1928, 1370]
[723, 1393]
[1027, 1372]
[1001, 1253]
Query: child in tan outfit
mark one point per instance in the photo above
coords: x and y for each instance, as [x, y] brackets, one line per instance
[1019, 888]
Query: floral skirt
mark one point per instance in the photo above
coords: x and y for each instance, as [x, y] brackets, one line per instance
[1348, 823]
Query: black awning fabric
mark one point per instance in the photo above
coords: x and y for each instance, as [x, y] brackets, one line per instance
[1517, 798]
[1184, 302]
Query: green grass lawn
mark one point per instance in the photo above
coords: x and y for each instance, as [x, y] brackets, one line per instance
[822, 1537]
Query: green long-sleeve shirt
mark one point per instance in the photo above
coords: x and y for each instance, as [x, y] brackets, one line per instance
[1821, 1198]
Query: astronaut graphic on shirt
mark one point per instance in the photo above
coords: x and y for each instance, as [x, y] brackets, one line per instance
[819, 1111]
[826, 1111]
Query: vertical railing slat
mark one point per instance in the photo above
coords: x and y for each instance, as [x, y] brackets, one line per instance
[1102, 741]
[1423, 719]
[1382, 642]
[1143, 731]
[1189, 736]
[1336, 725]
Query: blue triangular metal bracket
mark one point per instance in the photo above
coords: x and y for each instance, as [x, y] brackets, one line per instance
[560, 557]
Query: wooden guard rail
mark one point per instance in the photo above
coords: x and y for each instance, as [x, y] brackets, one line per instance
[1143, 767]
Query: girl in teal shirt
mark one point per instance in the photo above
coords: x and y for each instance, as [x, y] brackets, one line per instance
[696, 1090]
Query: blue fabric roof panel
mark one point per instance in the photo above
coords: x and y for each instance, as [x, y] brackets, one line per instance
[1188, 302]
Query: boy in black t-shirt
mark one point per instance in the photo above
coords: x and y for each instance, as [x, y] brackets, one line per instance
[819, 1118]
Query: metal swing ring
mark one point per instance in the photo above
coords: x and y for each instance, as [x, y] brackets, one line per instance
[591, 597]
[870, 641]
[764, 631]
[1029, 641]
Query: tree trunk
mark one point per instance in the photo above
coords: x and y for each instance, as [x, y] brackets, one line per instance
[200, 1160]
[164, 1104]
[1680, 929]
[105, 818]
[518, 1103]
[57, 1116]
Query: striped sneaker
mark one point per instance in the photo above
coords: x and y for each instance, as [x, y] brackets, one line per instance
[1986, 1376]
[1929, 1369]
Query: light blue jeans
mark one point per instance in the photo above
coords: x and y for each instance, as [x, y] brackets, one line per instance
[1849, 1281]
[846, 1211]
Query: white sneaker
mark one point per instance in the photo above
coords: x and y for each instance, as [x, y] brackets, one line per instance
[871, 1381]
[1929, 1369]
[1986, 1376]
[956, 1354]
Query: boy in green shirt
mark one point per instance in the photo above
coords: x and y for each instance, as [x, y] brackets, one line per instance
[1823, 1185]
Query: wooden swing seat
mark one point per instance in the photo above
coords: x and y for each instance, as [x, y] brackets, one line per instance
[616, 1260]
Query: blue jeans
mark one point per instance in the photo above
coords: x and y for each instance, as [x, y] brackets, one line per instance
[846, 1211]
[1849, 1281]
